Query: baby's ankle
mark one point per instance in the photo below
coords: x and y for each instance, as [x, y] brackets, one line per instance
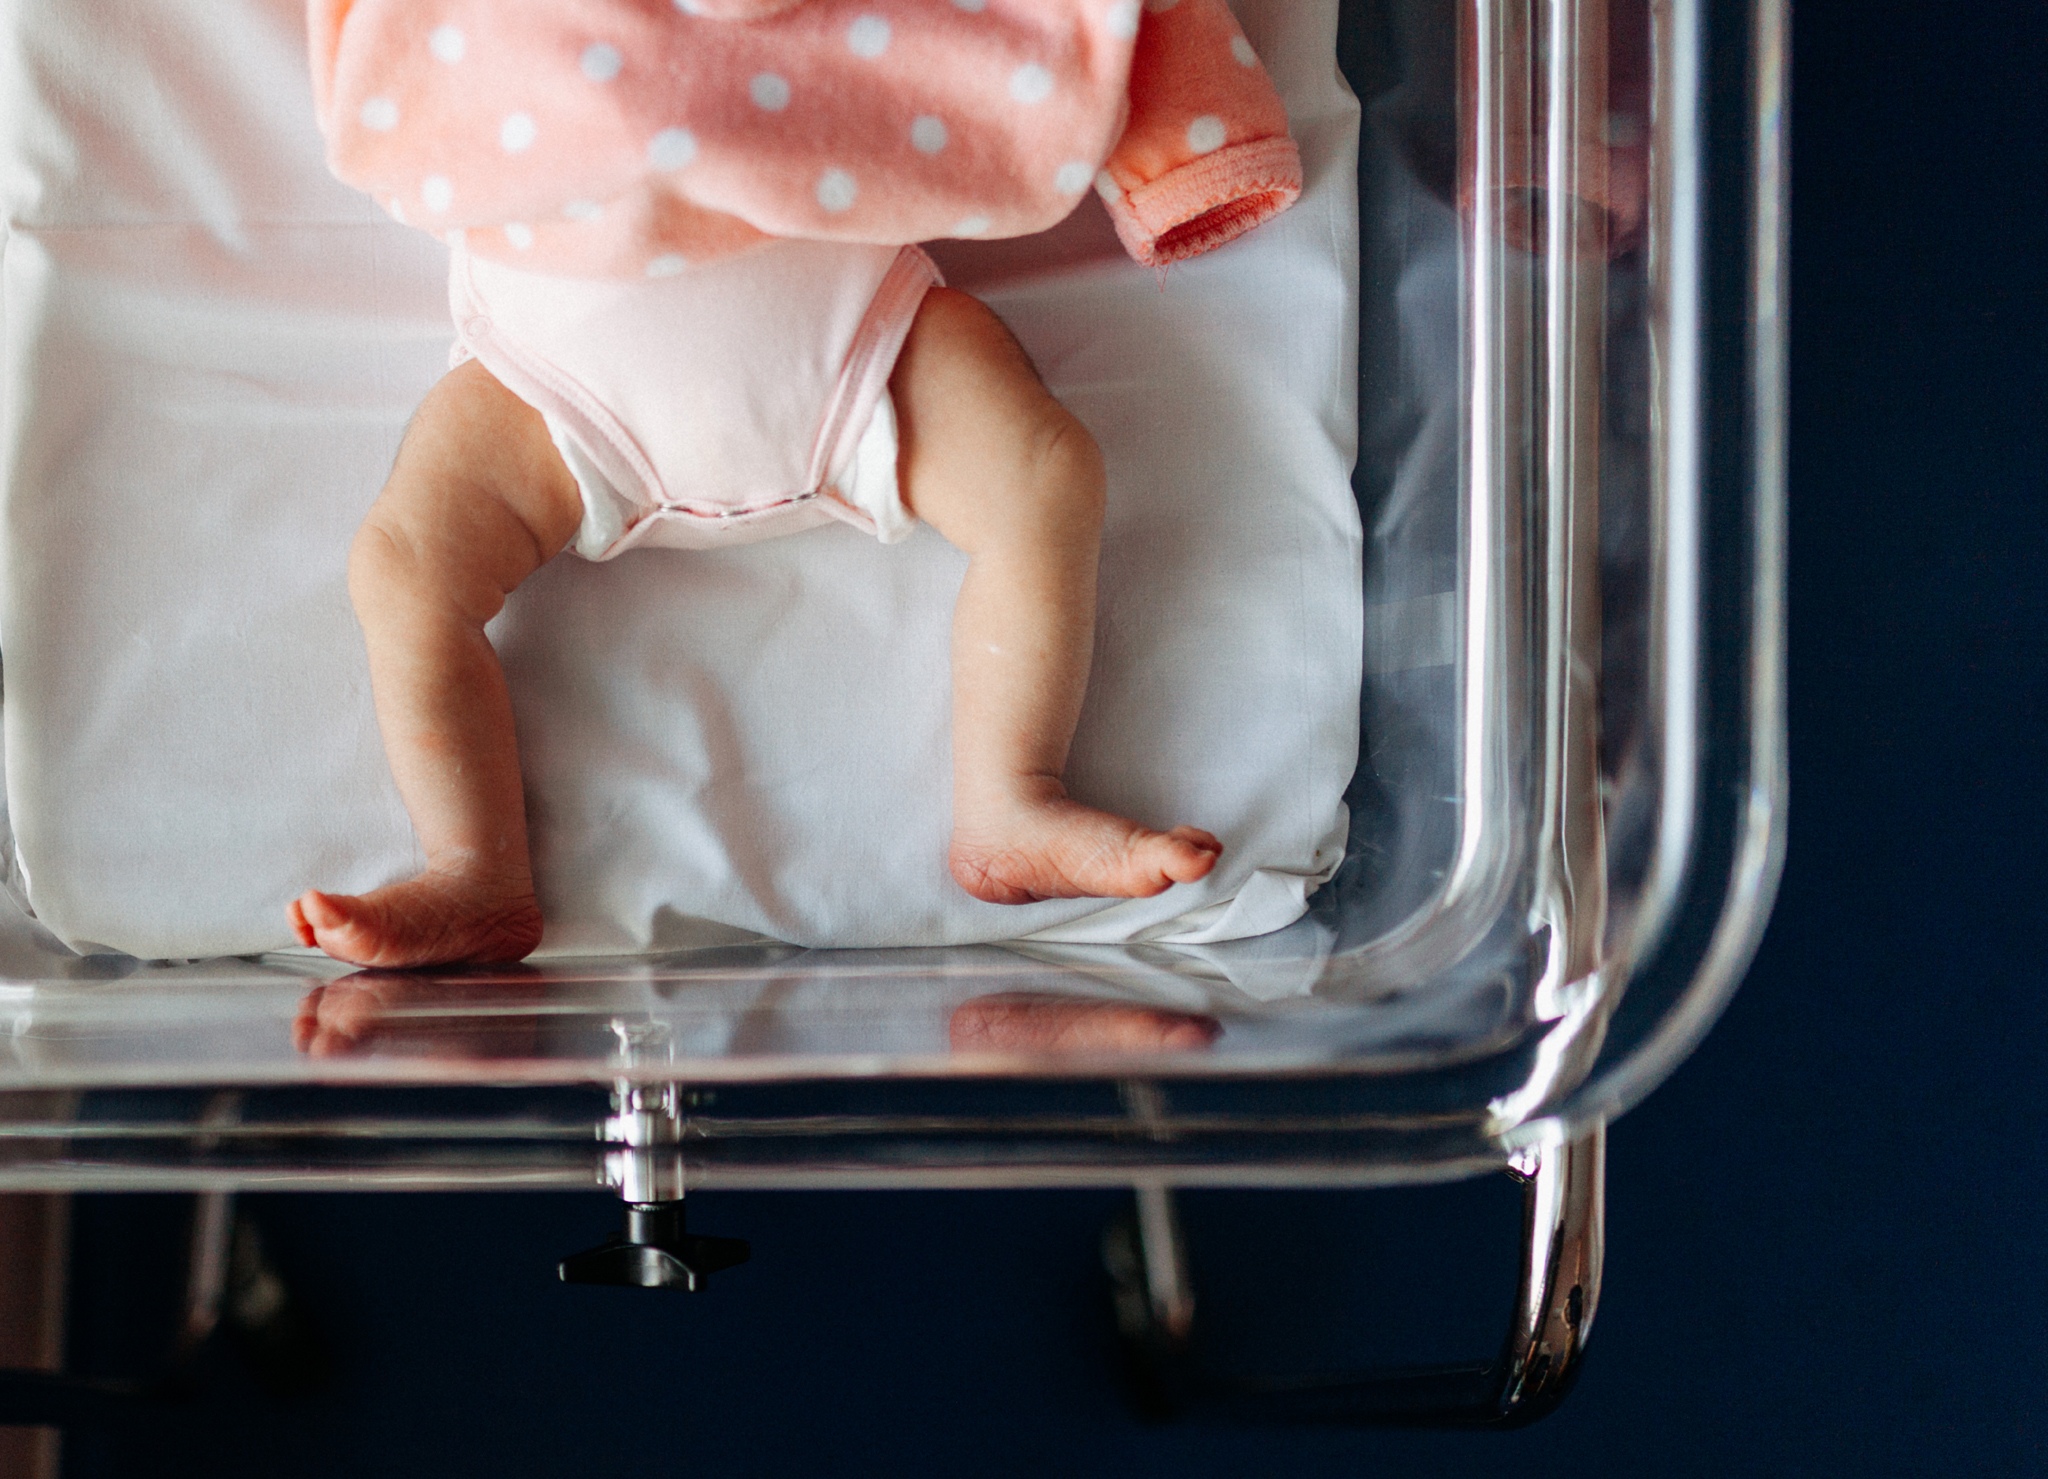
[995, 798]
[471, 871]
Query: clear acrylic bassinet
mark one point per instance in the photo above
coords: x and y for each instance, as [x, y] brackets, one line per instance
[1566, 822]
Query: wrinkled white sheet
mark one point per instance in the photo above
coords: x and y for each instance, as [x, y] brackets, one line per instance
[210, 351]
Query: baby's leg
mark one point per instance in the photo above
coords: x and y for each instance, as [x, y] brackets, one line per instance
[478, 500]
[1001, 469]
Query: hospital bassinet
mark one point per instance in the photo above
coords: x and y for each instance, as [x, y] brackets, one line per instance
[1566, 824]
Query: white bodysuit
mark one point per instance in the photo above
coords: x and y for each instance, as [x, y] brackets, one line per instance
[724, 402]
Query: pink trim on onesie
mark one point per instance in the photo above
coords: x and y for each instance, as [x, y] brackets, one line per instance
[728, 401]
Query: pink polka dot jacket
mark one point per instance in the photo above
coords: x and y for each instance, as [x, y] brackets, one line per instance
[618, 138]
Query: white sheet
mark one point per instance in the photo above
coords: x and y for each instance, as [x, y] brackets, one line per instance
[210, 352]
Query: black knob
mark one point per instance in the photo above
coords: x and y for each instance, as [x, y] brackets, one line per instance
[655, 1252]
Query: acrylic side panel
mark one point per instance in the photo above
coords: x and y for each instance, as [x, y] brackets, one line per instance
[1564, 822]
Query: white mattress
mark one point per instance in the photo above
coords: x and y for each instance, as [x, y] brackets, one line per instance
[211, 349]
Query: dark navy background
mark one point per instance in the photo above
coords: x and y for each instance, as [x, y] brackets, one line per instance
[1828, 1233]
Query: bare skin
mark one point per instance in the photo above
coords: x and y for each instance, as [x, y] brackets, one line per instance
[479, 499]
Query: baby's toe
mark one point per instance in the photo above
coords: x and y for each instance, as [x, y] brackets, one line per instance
[295, 911]
[1187, 854]
[348, 928]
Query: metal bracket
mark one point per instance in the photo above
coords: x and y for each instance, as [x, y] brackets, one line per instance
[1564, 1209]
[645, 1167]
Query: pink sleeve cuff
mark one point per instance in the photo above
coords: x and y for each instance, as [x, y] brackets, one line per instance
[1206, 202]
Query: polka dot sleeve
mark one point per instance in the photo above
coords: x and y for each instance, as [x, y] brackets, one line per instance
[1206, 155]
[614, 138]
[622, 138]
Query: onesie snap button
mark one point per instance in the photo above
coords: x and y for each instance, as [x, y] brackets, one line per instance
[476, 328]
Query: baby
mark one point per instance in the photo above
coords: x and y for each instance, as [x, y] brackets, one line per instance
[480, 498]
[702, 363]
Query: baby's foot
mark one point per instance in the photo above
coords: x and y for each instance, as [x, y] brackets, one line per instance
[1052, 847]
[1031, 1022]
[434, 919]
